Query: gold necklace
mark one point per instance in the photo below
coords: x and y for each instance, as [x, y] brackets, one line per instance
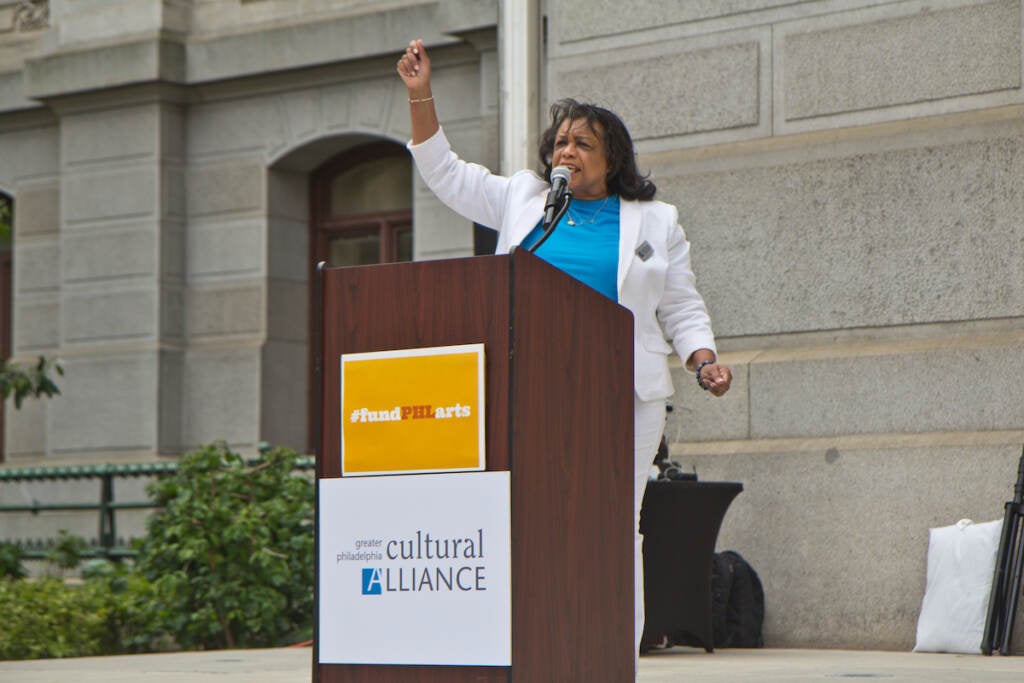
[572, 221]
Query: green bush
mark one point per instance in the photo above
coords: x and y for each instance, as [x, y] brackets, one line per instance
[48, 618]
[68, 552]
[109, 613]
[10, 561]
[228, 563]
[230, 555]
[134, 621]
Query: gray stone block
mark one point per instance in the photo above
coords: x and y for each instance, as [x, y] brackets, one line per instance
[111, 134]
[173, 138]
[213, 17]
[24, 430]
[12, 81]
[868, 236]
[36, 266]
[169, 418]
[335, 103]
[176, 15]
[331, 39]
[218, 310]
[172, 312]
[288, 195]
[284, 418]
[960, 385]
[491, 141]
[239, 125]
[88, 255]
[37, 208]
[36, 323]
[457, 16]
[172, 251]
[372, 101]
[288, 311]
[108, 66]
[288, 246]
[108, 403]
[121, 193]
[174, 193]
[440, 232]
[398, 128]
[37, 150]
[300, 111]
[86, 21]
[288, 227]
[106, 315]
[916, 57]
[226, 249]
[575, 20]
[490, 78]
[465, 138]
[226, 188]
[838, 530]
[677, 90]
[457, 95]
[222, 389]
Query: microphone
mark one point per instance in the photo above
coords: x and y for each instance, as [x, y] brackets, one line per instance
[555, 205]
[556, 195]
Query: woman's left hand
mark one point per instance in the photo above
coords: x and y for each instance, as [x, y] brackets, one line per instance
[717, 378]
[414, 68]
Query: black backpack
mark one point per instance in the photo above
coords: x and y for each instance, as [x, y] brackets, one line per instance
[737, 602]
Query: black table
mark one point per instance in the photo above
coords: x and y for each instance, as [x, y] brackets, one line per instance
[680, 522]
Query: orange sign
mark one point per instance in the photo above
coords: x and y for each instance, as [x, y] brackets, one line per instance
[412, 411]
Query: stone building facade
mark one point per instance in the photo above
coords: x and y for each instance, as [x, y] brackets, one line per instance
[847, 171]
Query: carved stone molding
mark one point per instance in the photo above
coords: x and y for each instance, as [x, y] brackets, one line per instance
[30, 15]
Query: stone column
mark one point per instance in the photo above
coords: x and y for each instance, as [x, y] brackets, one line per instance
[35, 293]
[113, 306]
[121, 323]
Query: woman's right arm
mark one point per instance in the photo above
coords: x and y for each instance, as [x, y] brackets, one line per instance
[470, 190]
[414, 68]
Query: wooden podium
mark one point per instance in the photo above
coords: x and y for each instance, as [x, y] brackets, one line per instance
[559, 416]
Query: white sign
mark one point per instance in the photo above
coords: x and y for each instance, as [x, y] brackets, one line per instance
[416, 569]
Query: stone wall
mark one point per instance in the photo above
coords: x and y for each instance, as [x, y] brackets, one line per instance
[847, 175]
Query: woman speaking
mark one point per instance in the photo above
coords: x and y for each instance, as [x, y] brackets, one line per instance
[614, 237]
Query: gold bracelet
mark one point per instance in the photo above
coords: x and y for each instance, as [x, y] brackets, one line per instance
[425, 99]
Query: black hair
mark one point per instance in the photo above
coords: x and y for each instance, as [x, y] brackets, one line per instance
[624, 178]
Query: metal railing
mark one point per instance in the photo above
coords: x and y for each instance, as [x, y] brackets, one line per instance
[106, 543]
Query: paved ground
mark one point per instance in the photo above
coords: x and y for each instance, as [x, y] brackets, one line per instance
[741, 666]
[294, 665]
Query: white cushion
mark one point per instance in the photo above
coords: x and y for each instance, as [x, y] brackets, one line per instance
[961, 559]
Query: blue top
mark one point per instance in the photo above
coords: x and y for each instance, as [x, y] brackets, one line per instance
[585, 244]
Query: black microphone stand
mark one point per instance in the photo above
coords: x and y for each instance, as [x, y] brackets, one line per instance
[550, 226]
[1006, 579]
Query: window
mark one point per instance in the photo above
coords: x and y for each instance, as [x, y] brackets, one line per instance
[362, 207]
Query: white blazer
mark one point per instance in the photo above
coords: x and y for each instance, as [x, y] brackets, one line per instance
[660, 289]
